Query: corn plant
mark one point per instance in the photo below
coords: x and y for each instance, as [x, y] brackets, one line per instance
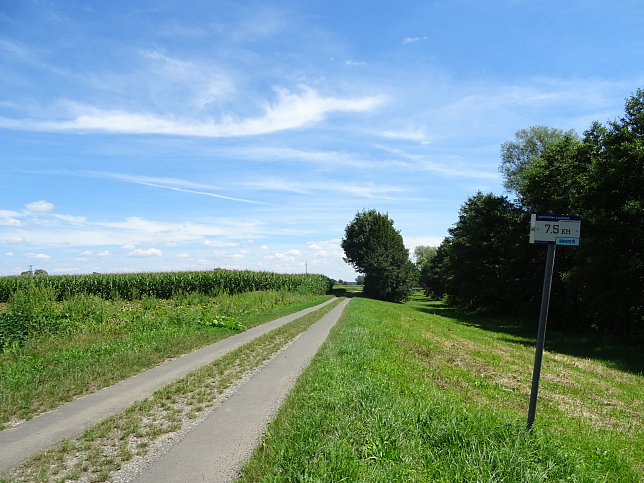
[164, 285]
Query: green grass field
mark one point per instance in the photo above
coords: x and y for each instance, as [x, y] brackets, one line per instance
[423, 392]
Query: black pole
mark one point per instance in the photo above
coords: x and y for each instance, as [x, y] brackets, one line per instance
[541, 334]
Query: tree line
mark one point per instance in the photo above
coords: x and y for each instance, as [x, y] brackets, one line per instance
[486, 261]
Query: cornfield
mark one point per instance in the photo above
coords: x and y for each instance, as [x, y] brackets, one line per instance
[165, 285]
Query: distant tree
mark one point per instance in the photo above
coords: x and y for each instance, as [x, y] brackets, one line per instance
[376, 249]
[360, 279]
[37, 272]
[524, 149]
[423, 254]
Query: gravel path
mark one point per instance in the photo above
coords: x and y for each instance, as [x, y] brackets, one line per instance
[24, 440]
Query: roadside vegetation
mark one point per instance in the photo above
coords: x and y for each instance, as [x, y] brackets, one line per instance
[52, 351]
[426, 392]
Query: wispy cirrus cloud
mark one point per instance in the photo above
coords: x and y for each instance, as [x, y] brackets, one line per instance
[367, 190]
[181, 83]
[291, 110]
[447, 169]
[167, 183]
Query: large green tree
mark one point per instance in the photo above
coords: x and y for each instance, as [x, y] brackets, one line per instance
[483, 261]
[375, 248]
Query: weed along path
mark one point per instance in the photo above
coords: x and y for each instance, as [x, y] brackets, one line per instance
[28, 438]
[217, 448]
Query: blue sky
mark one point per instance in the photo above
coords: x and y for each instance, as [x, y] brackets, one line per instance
[188, 135]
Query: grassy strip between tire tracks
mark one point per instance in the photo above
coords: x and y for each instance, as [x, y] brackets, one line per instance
[397, 393]
[102, 449]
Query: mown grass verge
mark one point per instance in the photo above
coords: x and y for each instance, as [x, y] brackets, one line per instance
[105, 447]
[103, 342]
[398, 393]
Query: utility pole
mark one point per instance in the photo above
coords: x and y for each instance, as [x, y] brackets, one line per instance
[306, 268]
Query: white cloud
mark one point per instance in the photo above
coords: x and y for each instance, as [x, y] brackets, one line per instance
[86, 253]
[291, 110]
[413, 40]
[219, 243]
[9, 221]
[130, 233]
[41, 206]
[104, 253]
[328, 249]
[145, 253]
[288, 256]
[326, 246]
[411, 134]
[238, 256]
[9, 254]
[39, 256]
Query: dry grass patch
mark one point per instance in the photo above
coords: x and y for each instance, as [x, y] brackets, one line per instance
[578, 388]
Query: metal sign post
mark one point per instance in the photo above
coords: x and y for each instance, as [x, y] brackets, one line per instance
[551, 230]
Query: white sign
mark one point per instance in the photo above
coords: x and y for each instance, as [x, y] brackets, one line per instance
[555, 229]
